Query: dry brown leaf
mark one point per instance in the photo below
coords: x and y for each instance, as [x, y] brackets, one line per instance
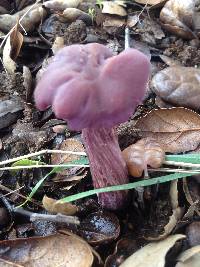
[29, 22]
[16, 40]
[177, 17]
[70, 145]
[189, 258]
[61, 5]
[153, 254]
[113, 8]
[110, 24]
[74, 173]
[73, 14]
[54, 206]
[12, 48]
[145, 152]
[50, 251]
[175, 129]
[179, 86]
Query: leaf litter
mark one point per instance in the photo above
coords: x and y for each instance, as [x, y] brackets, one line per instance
[168, 32]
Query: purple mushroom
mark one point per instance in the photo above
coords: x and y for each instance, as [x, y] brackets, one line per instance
[94, 91]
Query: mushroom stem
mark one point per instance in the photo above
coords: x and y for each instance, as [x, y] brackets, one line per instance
[107, 165]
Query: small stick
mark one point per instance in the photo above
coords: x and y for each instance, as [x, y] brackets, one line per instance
[43, 166]
[57, 218]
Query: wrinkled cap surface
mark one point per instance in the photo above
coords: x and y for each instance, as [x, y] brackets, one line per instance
[89, 87]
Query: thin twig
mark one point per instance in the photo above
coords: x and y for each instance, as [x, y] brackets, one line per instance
[194, 171]
[143, 9]
[58, 218]
[181, 164]
[42, 152]
[43, 166]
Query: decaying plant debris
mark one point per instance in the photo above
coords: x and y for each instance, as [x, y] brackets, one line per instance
[159, 226]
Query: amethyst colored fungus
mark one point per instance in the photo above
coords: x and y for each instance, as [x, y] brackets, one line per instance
[94, 91]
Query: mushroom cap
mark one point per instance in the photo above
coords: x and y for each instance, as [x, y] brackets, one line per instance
[89, 87]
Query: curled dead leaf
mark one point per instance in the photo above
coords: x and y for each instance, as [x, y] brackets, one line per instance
[54, 206]
[177, 17]
[175, 129]
[16, 40]
[145, 152]
[179, 86]
[73, 14]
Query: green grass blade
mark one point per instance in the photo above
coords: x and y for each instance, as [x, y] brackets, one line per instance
[35, 188]
[187, 158]
[141, 183]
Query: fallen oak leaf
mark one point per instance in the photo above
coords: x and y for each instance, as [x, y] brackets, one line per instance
[179, 86]
[54, 250]
[175, 129]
